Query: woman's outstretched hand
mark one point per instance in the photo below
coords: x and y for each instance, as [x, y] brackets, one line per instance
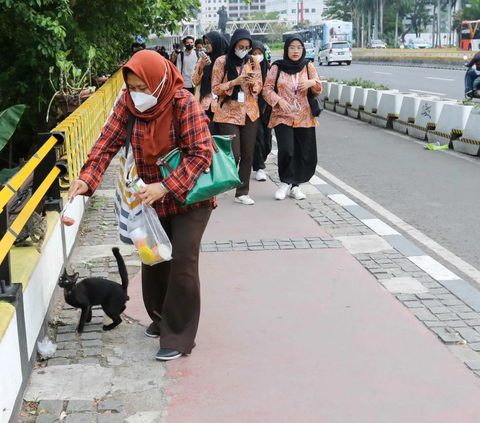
[78, 187]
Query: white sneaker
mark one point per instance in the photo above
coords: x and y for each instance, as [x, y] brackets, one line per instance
[261, 175]
[297, 194]
[282, 191]
[245, 199]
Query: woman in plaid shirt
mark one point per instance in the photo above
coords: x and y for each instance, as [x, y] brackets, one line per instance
[155, 95]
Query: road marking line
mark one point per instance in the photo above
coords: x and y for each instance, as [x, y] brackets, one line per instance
[342, 200]
[383, 73]
[426, 92]
[434, 268]
[418, 236]
[440, 79]
[379, 227]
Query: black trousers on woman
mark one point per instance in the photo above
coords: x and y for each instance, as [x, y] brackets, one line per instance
[297, 154]
[171, 290]
[213, 125]
[263, 146]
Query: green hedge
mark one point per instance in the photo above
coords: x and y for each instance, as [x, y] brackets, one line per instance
[276, 46]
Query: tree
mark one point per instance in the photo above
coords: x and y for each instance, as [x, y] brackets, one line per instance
[33, 31]
[263, 16]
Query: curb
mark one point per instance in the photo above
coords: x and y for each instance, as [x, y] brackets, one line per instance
[446, 278]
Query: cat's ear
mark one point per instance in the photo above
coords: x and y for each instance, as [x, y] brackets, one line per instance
[75, 276]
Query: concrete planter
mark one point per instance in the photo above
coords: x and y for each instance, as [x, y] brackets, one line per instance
[408, 111]
[373, 100]
[334, 97]
[325, 90]
[451, 123]
[388, 109]
[346, 99]
[359, 102]
[427, 117]
[470, 141]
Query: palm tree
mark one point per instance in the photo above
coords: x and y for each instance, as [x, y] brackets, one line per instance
[400, 7]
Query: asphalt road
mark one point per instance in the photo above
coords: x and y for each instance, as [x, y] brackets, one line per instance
[438, 82]
[436, 192]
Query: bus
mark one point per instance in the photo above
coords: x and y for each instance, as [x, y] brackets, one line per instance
[470, 35]
[306, 35]
[329, 31]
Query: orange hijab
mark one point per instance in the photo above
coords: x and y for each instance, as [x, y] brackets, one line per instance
[150, 67]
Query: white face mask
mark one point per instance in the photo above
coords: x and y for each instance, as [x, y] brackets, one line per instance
[143, 101]
[260, 57]
[241, 53]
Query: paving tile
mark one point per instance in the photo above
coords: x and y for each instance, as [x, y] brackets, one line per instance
[359, 212]
[469, 315]
[470, 335]
[116, 406]
[445, 336]
[404, 286]
[464, 291]
[89, 360]
[92, 343]
[456, 323]
[66, 353]
[110, 418]
[413, 304]
[403, 245]
[432, 303]
[79, 406]
[447, 316]
[423, 314]
[91, 336]
[79, 418]
[53, 407]
[58, 362]
[66, 337]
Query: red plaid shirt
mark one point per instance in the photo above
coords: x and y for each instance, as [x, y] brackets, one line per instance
[195, 140]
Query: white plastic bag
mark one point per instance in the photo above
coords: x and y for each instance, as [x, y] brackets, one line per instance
[149, 237]
[46, 348]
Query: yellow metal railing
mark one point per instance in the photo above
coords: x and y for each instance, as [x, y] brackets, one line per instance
[80, 130]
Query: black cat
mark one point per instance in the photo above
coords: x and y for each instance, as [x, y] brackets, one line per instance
[97, 291]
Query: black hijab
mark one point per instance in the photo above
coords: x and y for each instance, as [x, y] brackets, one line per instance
[289, 66]
[233, 60]
[264, 66]
[219, 48]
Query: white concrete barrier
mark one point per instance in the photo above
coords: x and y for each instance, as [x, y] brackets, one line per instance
[388, 109]
[373, 100]
[359, 102]
[408, 111]
[324, 95]
[451, 123]
[346, 99]
[334, 97]
[427, 117]
[470, 141]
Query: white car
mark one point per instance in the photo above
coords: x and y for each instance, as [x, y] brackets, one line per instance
[336, 51]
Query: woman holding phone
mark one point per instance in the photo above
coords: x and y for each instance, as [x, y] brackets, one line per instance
[237, 81]
[216, 45]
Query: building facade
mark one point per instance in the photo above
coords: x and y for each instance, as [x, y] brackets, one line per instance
[290, 10]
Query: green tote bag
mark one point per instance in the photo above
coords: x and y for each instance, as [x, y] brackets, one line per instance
[220, 177]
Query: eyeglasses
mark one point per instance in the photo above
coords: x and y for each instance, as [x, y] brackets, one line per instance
[207, 43]
[243, 49]
[295, 48]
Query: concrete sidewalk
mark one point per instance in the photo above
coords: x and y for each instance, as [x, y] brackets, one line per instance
[294, 328]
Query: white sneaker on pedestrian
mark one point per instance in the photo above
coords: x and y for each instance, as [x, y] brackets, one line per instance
[261, 175]
[297, 194]
[244, 199]
[282, 191]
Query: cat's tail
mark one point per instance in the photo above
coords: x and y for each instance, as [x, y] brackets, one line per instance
[122, 268]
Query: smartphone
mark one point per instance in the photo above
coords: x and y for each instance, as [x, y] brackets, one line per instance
[202, 54]
[250, 73]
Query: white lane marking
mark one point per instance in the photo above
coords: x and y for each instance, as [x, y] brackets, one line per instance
[440, 79]
[383, 73]
[315, 180]
[344, 70]
[418, 236]
[342, 200]
[379, 227]
[426, 92]
[434, 268]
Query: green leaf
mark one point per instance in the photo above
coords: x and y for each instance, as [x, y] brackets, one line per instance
[9, 119]
[7, 174]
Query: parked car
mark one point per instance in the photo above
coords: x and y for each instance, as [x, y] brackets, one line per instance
[376, 44]
[418, 43]
[310, 50]
[336, 51]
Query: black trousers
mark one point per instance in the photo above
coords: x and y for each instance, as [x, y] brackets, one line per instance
[213, 125]
[297, 154]
[192, 90]
[263, 146]
[243, 146]
[171, 290]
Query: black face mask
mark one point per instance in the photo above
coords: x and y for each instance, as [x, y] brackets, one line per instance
[189, 47]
